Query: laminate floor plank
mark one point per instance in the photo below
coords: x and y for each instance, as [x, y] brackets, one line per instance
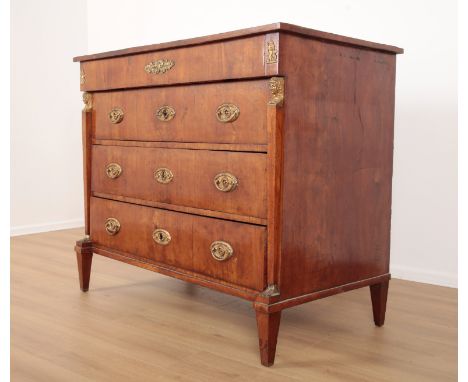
[135, 325]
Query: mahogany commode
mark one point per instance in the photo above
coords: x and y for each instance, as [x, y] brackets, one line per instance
[257, 163]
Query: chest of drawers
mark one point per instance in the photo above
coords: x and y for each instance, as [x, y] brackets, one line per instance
[257, 163]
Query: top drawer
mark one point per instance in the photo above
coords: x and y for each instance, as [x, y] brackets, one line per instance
[235, 59]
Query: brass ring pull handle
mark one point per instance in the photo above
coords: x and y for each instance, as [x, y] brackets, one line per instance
[113, 170]
[163, 175]
[225, 182]
[161, 236]
[116, 115]
[165, 113]
[221, 251]
[112, 226]
[227, 112]
[159, 66]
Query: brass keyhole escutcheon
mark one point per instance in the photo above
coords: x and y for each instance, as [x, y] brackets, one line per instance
[221, 251]
[227, 112]
[225, 182]
[163, 175]
[116, 115]
[161, 236]
[165, 113]
[113, 170]
[112, 226]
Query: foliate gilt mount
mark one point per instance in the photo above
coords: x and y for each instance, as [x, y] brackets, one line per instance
[159, 66]
[276, 85]
[88, 101]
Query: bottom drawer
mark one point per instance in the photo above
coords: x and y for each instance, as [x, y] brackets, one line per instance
[229, 251]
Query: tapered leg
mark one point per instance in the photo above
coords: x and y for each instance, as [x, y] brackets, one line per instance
[268, 326]
[84, 258]
[379, 294]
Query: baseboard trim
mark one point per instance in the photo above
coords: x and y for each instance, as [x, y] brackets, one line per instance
[38, 228]
[424, 276]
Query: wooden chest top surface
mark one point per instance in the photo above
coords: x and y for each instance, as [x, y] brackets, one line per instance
[263, 29]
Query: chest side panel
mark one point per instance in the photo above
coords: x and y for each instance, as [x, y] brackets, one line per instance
[338, 149]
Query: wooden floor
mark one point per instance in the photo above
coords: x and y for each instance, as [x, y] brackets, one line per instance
[135, 325]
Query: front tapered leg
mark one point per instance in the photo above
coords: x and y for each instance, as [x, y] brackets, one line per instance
[379, 294]
[268, 326]
[84, 258]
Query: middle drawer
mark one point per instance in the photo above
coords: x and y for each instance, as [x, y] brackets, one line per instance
[223, 181]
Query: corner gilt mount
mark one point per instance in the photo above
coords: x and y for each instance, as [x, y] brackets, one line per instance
[276, 85]
[271, 53]
[88, 101]
[271, 291]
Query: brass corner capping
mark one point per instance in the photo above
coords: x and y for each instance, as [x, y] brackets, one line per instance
[88, 101]
[159, 66]
[276, 85]
[271, 291]
[271, 52]
[86, 239]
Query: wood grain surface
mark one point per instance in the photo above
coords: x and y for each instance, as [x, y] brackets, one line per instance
[234, 59]
[337, 175]
[135, 325]
[269, 28]
[316, 185]
[191, 237]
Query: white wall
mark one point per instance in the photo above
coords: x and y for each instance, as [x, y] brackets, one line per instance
[46, 180]
[424, 234]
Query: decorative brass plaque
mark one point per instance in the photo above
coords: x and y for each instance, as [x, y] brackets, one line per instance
[272, 53]
[159, 66]
[112, 226]
[88, 101]
[82, 77]
[161, 236]
[165, 113]
[113, 170]
[227, 112]
[225, 182]
[276, 85]
[221, 251]
[163, 175]
[116, 115]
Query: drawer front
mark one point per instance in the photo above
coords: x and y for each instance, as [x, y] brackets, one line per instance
[235, 59]
[183, 177]
[183, 241]
[214, 113]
